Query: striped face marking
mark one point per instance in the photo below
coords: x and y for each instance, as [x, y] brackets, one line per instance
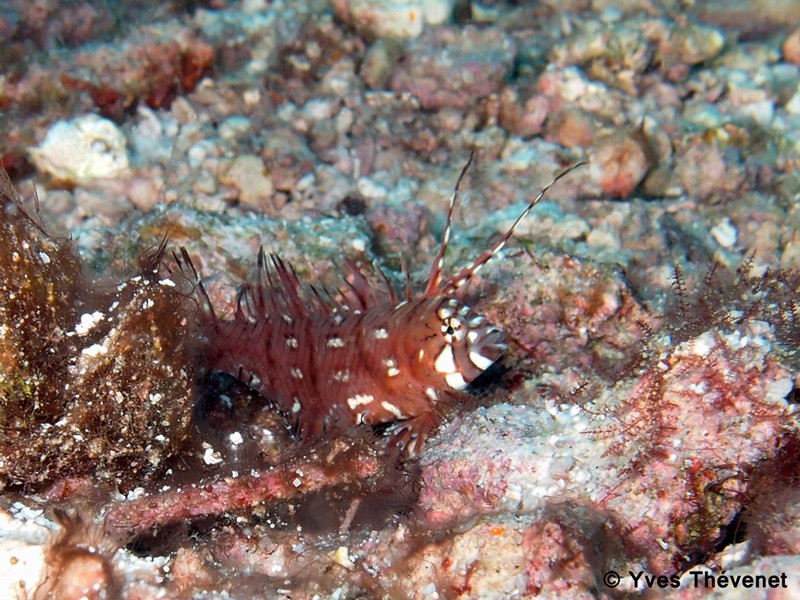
[479, 360]
[453, 329]
[455, 380]
[445, 363]
[468, 345]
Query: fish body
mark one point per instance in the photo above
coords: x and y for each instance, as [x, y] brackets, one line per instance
[361, 357]
[330, 365]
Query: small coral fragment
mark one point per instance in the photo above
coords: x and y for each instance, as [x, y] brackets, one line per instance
[290, 481]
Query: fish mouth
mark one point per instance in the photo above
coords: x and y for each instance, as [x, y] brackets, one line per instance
[494, 344]
[487, 349]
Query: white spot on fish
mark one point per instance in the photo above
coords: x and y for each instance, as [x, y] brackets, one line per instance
[296, 373]
[391, 367]
[359, 400]
[335, 342]
[341, 376]
[296, 406]
[388, 406]
[291, 342]
[444, 362]
[381, 334]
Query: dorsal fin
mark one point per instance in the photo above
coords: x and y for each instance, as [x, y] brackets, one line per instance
[187, 268]
[435, 276]
[362, 293]
[463, 276]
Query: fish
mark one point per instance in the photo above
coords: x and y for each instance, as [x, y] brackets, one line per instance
[364, 357]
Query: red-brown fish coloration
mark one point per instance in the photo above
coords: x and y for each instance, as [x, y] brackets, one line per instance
[362, 358]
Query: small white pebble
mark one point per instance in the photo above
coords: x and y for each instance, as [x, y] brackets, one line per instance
[211, 457]
[88, 321]
[342, 557]
[371, 189]
[725, 233]
[135, 493]
[703, 344]
[94, 350]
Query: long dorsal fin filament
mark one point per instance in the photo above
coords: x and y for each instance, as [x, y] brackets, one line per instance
[463, 276]
[435, 276]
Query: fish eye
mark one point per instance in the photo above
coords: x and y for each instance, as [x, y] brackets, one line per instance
[453, 329]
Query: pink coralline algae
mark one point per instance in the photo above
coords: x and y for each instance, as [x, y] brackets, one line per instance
[687, 437]
[565, 313]
[680, 474]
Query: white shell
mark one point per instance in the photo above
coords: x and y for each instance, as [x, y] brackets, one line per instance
[85, 148]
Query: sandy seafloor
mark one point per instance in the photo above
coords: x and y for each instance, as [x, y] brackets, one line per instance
[323, 130]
